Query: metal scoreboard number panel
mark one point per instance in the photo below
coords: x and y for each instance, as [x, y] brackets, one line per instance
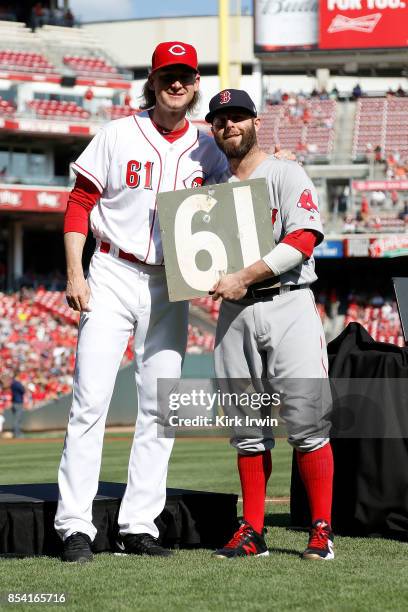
[211, 231]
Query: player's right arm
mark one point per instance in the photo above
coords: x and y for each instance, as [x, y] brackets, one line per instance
[82, 199]
[77, 291]
[92, 169]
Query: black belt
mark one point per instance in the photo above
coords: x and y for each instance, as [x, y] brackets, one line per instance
[256, 294]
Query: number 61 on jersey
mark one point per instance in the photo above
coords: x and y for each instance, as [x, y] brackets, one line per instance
[211, 231]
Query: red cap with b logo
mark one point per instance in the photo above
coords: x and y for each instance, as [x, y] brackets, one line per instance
[174, 52]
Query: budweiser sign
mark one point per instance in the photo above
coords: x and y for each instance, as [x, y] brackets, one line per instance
[359, 24]
[285, 24]
[363, 24]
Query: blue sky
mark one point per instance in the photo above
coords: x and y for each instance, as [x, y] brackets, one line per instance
[106, 10]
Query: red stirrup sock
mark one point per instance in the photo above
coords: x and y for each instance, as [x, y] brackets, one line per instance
[254, 471]
[316, 472]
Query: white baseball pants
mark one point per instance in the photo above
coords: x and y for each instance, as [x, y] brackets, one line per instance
[125, 297]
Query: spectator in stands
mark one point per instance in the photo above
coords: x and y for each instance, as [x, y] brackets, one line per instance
[69, 19]
[343, 201]
[401, 171]
[17, 407]
[349, 226]
[357, 92]
[89, 94]
[377, 198]
[46, 15]
[59, 16]
[3, 272]
[37, 15]
[7, 13]
[89, 102]
[364, 208]
[378, 157]
[394, 198]
[404, 212]
[301, 152]
[306, 115]
[334, 94]
[276, 97]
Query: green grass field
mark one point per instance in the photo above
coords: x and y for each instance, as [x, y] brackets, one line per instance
[367, 574]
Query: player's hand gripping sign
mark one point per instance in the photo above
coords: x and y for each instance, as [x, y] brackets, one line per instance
[211, 231]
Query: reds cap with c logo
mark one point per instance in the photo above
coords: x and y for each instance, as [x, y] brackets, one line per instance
[174, 52]
[229, 99]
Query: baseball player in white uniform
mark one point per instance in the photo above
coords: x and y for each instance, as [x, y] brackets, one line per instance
[267, 331]
[118, 177]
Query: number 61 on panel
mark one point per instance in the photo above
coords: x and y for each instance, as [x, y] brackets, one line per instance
[210, 231]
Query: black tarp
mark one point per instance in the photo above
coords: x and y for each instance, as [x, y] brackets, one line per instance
[370, 494]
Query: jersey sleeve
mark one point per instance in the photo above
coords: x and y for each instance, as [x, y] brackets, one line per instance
[94, 161]
[81, 200]
[298, 201]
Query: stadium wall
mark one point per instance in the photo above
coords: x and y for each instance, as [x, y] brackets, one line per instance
[123, 410]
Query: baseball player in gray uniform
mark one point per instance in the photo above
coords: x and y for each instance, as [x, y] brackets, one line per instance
[118, 177]
[269, 328]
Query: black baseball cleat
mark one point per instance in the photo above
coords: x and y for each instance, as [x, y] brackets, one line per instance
[320, 546]
[141, 544]
[77, 548]
[246, 542]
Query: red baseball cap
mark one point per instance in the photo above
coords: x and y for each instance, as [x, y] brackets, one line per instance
[174, 52]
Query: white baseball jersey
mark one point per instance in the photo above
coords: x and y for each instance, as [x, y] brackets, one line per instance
[294, 206]
[129, 162]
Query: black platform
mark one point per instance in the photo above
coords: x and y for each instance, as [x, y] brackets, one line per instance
[189, 519]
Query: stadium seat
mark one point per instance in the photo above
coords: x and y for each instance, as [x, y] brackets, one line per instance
[287, 124]
[90, 66]
[57, 109]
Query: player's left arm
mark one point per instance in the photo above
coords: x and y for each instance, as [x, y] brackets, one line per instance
[282, 258]
[303, 230]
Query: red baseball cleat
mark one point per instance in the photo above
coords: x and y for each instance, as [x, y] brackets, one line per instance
[246, 542]
[320, 544]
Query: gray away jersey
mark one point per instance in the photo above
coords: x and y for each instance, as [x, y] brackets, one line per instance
[294, 206]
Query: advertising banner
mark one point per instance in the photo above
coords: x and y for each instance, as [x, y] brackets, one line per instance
[329, 249]
[363, 24]
[285, 24]
[40, 199]
[380, 185]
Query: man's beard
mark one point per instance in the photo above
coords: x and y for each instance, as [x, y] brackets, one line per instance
[234, 151]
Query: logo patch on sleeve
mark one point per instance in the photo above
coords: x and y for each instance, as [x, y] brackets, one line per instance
[196, 179]
[306, 202]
